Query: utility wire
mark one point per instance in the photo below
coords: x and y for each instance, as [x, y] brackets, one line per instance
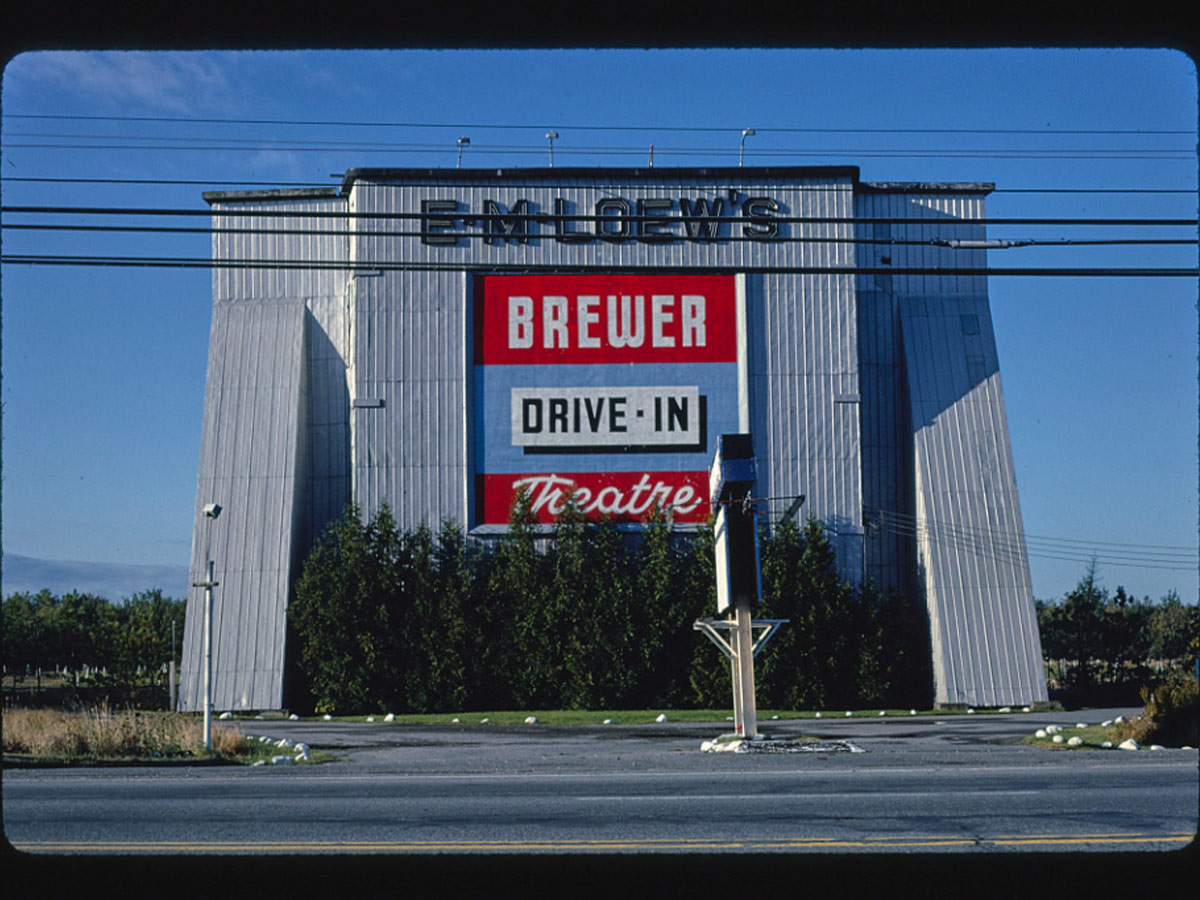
[1002, 243]
[20, 139]
[548, 124]
[1108, 154]
[1191, 552]
[547, 218]
[528, 268]
[1010, 548]
[808, 189]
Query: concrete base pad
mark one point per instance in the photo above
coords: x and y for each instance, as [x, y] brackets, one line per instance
[733, 744]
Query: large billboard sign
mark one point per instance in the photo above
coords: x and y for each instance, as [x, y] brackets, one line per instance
[610, 386]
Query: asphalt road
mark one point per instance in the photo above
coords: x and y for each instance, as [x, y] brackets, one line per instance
[948, 785]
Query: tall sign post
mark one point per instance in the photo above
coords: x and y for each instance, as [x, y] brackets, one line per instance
[739, 584]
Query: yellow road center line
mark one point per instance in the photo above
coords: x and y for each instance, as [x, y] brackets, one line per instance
[533, 846]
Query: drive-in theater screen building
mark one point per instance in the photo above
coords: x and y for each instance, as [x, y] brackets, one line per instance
[438, 339]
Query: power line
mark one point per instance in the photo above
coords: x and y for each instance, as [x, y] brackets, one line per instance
[815, 188]
[1009, 547]
[314, 144]
[1003, 243]
[548, 124]
[1165, 155]
[591, 217]
[1191, 550]
[523, 268]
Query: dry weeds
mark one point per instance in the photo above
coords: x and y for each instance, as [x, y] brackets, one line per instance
[104, 734]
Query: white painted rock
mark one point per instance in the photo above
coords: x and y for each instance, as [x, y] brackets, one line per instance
[1005, 709]
[912, 712]
[1106, 723]
[729, 718]
[261, 762]
[294, 717]
[302, 757]
[390, 717]
[1058, 739]
[280, 760]
[455, 721]
[1026, 709]
[662, 717]
[484, 720]
[1107, 745]
[1129, 744]
[1041, 732]
[849, 714]
[608, 721]
[531, 720]
[259, 718]
[263, 739]
[370, 718]
[970, 712]
[1076, 741]
[302, 748]
[284, 742]
[225, 715]
[1119, 719]
[883, 712]
[328, 717]
[1081, 724]
[776, 717]
[1157, 747]
[818, 715]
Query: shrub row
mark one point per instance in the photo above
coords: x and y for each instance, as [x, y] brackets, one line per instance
[585, 617]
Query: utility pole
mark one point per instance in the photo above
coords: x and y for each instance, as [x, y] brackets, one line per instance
[211, 511]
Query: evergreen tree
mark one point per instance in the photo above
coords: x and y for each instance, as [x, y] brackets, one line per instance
[709, 677]
[333, 614]
[517, 584]
[662, 613]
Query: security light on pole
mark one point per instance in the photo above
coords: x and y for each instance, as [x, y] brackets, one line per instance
[462, 142]
[550, 136]
[211, 511]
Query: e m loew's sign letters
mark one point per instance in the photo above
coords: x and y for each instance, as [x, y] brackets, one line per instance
[608, 385]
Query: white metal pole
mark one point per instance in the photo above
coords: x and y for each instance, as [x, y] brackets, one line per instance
[208, 658]
[746, 723]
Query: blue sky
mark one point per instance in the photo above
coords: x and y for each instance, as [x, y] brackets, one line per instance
[103, 367]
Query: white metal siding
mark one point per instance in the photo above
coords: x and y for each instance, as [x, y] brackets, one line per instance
[248, 465]
[325, 386]
[962, 508]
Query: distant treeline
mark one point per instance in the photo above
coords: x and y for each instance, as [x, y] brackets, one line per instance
[1093, 641]
[585, 617]
[96, 642]
[582, 618]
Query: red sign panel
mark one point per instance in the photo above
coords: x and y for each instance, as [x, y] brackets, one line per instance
[605, 319]
[625, 496]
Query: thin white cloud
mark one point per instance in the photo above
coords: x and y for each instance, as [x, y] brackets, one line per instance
[158, 82]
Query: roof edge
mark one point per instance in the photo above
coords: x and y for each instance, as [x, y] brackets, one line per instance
[648, 173]
[926, 187]
[272, 194]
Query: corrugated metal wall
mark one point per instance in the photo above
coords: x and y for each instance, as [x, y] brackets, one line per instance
[274, 451]
[933, 373]
[325, 387]
[409, 370]
[249, 461]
